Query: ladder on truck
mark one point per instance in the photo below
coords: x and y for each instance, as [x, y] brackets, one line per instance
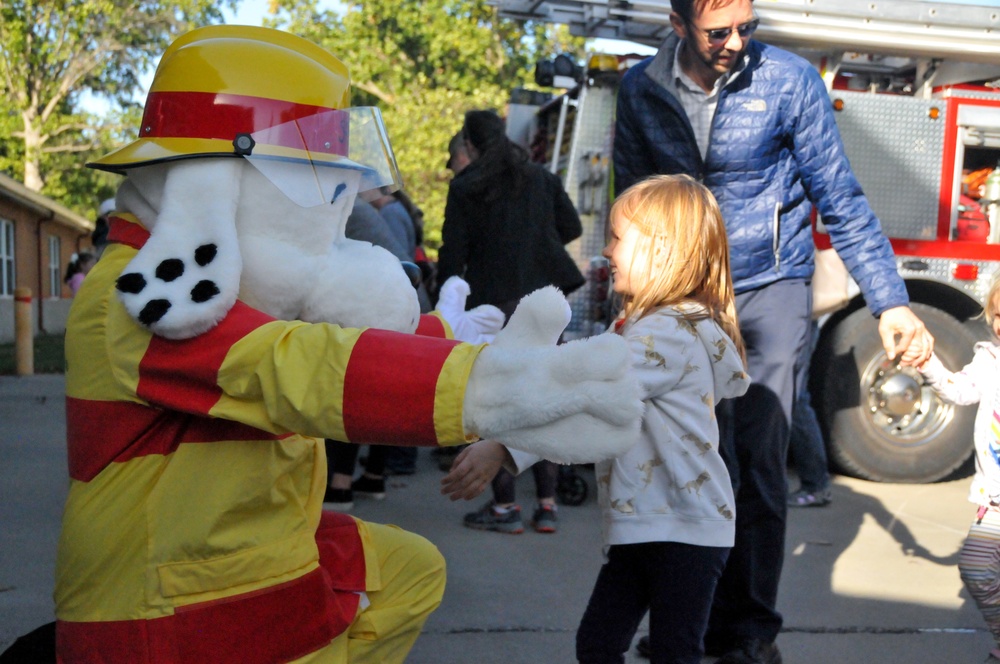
[970, 31]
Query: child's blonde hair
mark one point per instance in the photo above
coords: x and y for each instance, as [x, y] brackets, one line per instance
[988, 313]
[683, 254]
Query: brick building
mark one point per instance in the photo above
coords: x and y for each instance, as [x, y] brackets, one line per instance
[37, 239]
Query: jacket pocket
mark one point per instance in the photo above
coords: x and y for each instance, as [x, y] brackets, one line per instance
[776, 237]
[237, 569]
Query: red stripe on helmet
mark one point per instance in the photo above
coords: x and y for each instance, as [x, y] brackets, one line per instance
[224, 116]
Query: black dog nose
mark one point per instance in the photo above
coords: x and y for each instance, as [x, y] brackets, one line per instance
[413, 272]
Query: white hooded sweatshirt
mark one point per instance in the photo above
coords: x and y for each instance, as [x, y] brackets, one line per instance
[673, 485]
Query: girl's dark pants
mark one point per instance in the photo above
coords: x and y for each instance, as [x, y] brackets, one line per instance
[675, 582]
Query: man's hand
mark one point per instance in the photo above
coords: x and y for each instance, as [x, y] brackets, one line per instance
[473, 470]
[904, 334]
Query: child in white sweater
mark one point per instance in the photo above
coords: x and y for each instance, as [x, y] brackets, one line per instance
[667, 504]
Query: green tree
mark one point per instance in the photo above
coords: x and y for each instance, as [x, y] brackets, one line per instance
[52, 53]
[425, 63]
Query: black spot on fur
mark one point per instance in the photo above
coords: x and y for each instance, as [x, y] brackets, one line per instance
[204, 291]
[170, 269]
[205, 254]
[133, 282]
[153, 311]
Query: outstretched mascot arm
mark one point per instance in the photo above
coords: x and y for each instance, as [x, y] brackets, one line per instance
[314, 379]
[567, 403]
[572, 403]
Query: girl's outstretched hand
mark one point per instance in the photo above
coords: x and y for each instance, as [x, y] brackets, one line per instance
[473, 470]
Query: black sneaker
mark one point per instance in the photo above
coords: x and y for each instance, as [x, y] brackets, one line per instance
[752, 651]
[369, 487]
[544, 519]
[338, 500]
[488, 518]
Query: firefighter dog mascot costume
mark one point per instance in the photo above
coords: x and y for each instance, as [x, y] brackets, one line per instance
[228, 327]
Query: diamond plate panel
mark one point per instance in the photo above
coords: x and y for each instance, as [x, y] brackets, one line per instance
[586, 179]
[941, 270]
[895, 151]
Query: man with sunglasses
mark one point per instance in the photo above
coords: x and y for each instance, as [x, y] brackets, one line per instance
[754, 123]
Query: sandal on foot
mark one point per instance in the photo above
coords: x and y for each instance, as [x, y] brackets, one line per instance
[804, 498]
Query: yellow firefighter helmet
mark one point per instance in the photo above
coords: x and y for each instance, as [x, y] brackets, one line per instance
[260, 93]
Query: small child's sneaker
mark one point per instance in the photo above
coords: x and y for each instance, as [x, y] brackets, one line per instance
[544, 519]
[338, 500]
[490, 518]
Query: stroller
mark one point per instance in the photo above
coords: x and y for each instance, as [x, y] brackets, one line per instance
[571, 489]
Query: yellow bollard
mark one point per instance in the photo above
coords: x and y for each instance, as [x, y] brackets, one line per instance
[24, 339]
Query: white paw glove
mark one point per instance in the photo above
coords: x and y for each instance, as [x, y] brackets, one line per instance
[574, 403]
[475, 326]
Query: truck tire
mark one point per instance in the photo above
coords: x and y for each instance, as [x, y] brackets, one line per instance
[882, 422]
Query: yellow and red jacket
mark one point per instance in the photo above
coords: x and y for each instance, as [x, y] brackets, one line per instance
[197, 473]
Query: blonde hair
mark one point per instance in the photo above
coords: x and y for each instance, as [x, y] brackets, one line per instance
[992, 295]
[683, 253]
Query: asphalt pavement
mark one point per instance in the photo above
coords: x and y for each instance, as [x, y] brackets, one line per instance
[871, 578]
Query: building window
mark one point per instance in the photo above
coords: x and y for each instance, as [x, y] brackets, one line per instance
[55, 266]
[6, 258]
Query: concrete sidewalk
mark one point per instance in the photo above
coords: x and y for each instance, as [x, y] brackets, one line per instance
[871, 578]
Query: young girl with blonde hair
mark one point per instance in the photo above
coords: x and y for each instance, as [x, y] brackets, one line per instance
[979, 382]
[668, 515]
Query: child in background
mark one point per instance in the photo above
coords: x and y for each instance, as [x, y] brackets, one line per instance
[667, 504]
[979, 381]
[79, 265]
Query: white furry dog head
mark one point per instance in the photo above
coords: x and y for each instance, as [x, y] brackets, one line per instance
[219, 229]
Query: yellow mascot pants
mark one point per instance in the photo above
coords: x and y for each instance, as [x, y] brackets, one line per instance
[405, 577]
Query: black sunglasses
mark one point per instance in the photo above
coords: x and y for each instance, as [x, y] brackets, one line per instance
[745, 30]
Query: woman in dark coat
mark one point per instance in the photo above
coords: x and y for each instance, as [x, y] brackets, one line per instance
[506, 221]
[505, 226]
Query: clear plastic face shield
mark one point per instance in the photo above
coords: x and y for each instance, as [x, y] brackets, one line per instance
[324, 158]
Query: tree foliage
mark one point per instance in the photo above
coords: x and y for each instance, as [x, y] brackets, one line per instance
[425, 63]
[52, 54]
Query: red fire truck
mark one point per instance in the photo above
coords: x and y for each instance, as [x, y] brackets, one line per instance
[915, 88]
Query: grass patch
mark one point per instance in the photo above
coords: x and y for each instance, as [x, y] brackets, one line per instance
[49, 355]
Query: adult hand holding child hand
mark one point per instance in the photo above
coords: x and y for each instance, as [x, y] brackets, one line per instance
[904, 336]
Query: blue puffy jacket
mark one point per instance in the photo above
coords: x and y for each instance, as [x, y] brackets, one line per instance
[774, 148]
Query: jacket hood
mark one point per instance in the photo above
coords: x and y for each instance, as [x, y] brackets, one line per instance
[731, 379]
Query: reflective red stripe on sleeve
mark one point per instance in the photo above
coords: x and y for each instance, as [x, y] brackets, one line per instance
[183, 373]
[390, 387]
